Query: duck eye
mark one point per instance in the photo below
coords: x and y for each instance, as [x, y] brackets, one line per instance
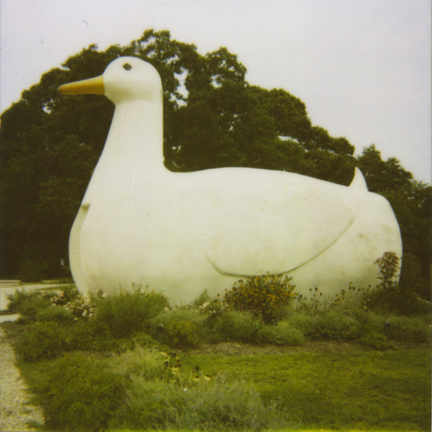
[127, 66]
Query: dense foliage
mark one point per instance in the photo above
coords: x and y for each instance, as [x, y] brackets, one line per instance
[212, 118]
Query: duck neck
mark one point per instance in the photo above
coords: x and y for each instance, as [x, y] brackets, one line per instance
[136, 137]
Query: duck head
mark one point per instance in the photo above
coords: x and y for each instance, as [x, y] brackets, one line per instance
[125, 79]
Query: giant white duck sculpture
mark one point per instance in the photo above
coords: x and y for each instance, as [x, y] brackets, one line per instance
[181, 233]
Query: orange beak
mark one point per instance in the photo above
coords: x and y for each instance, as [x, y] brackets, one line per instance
[88, 86]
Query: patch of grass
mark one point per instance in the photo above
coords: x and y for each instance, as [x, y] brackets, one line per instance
[368, 391]
[347, 389]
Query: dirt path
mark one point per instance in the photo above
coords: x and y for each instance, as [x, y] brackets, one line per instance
[14, 409]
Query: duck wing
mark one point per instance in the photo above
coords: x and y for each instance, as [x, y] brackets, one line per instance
[275, 225]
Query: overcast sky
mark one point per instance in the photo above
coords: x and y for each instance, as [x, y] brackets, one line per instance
[362, 67]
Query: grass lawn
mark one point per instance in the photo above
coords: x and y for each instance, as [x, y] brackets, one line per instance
[387, 390]
[343, 389]
[349, 370]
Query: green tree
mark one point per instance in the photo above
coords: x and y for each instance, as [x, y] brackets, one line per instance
[412, 203]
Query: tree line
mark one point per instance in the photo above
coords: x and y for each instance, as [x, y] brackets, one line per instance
[212, 118]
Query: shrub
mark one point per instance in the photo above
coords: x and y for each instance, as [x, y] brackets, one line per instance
[231, 326]
[31, 303]
[128, 313]
[16, 299]
[80, 394]
[389, 296]
[375, 340]
[42, 341]
[409, 329]
[328, 325]
[265, 296]
[178, 328]
[147, 363]
[48, 340]
[55, 314]
[29, 309]
[217, 405]
[281, 334]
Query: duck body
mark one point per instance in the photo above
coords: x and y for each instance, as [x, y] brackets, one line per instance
[182, 233]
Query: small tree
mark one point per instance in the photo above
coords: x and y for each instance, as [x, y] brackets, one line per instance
[389, 296]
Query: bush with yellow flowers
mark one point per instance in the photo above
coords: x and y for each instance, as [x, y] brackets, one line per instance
[264, 296]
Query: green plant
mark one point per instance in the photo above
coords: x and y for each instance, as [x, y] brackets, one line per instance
[389, 296]
[48, 340]
[42, 340]
[375, 340]
[147, 363]
[281, 334]
[232, 326]
[16, 299]
[328, 325]
[80, 394]
[409, 329]
[28, 306]
[214, 405]
[202, 299]
[129, 312]
[178, 328]
[57, 314]
[264, 296]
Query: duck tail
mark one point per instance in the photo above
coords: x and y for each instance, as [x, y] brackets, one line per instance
[358, 181]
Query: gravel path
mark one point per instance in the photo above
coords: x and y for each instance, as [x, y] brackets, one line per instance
[14, 413]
